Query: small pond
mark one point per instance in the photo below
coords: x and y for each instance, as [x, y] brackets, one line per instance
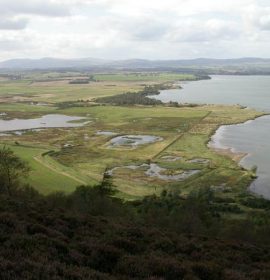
[199, 160]
[133, 141]
[162, 173]
[154, 170]
[47, 121]
[171, 158]
[106, 133]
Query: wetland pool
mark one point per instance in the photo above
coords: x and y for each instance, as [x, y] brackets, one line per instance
[133, 141]
[46, 121]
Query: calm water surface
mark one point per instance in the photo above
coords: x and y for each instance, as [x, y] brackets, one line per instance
[47, 121]
[251, 91]
[252, 137]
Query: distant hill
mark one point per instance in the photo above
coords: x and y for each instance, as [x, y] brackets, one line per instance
[56, 63]
[189, 62]
[47, 63]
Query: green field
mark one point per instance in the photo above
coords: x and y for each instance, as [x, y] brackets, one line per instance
[46, 178]
[146, 77]
[39, 87]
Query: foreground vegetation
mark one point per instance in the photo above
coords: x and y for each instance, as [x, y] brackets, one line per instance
[91, 235]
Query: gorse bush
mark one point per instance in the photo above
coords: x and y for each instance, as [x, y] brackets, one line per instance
[91, 235]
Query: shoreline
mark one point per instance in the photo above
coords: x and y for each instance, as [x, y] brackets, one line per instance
[235, 156]
[228, 151]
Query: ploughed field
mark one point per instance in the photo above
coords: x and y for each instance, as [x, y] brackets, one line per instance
[145, 149]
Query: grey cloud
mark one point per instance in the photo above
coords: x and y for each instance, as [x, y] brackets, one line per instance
[138, 28]
[258, 17]
[34, 7]
[15, 14]
[150, 30]
[13, 24]
[13, 44]
[186, 29]
[264, 22]
[128, 28]
[9, 46]
[203, 31]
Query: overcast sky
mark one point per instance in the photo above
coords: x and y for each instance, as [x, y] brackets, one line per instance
[121, 29]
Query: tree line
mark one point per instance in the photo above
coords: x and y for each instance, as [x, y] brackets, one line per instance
[133, 98]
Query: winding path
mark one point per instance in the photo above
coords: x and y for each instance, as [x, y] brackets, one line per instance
[39, 160]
